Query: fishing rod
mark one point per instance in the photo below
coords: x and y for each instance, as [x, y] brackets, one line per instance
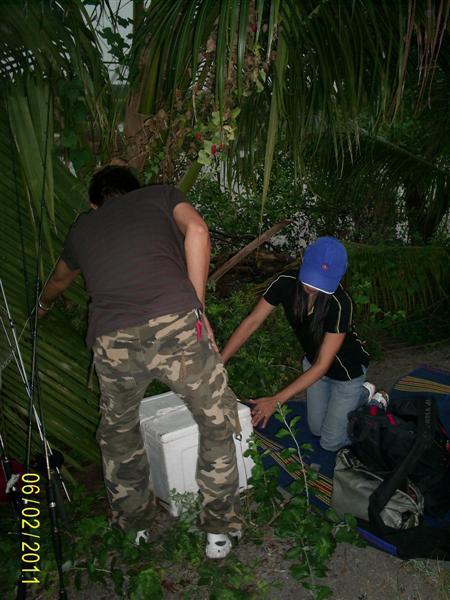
[51, 460]
[12, 340]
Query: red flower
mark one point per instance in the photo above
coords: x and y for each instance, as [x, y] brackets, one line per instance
[254, 27]
[198, 136]
[214, 149]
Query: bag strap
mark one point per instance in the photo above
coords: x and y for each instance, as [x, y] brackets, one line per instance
[426, 417]
[359, 431]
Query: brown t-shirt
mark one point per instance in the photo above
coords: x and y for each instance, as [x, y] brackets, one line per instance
[131, 254]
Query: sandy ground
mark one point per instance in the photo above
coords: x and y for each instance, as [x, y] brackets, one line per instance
[397, 362]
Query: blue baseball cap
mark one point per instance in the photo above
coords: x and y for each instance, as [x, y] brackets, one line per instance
[324, 264]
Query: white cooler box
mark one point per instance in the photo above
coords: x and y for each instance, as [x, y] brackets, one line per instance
[170, 437]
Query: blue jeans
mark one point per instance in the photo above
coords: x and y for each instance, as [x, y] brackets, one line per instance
[329, 401]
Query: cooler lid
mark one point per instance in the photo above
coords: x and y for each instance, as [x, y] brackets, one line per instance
[166, 415]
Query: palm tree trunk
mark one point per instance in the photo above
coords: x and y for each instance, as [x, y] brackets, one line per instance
[135, 154]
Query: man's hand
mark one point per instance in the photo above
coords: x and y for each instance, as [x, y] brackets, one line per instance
[42, 312]
[59, 281]
[263, 409]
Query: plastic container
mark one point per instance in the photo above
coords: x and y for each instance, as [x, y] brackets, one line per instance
[170, 437]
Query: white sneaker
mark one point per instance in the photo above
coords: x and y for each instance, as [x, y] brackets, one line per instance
[218, 545]
[381, 398]
[370, 387]
[142, 536]
[235, 536]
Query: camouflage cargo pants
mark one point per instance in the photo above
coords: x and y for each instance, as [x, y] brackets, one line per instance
[168, 349]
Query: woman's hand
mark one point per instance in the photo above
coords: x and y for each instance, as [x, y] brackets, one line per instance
[263, 409]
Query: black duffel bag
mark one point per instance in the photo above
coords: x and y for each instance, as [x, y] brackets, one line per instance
[382, 440]
[412, 446]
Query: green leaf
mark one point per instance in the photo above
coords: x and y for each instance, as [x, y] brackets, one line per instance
[322, 592]
[292, 467]
[204, 158]
[69, 139]
[299, 572]
[333, 516]
[294, 553]
[288, 453]
[350, 519]
[207, 147]
[293, 422]
[282, 433]
[307, 447]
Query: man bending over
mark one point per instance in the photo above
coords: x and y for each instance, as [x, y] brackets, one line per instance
[144, 254]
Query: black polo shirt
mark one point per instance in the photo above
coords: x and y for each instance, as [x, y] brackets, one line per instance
[352, 354]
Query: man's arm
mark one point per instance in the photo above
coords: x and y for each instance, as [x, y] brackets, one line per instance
[59, 281]
[196, 246]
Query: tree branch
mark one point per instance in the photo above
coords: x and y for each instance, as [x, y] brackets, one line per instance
[248, 249]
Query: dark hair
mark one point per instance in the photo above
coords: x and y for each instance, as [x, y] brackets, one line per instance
[321, 306]
[111, 181]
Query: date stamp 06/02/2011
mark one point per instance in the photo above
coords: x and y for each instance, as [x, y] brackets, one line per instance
[30, 524]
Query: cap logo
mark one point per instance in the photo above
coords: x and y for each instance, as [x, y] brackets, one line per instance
[325, 266]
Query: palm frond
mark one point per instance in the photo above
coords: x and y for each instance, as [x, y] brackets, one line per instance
[30, 109]
[344, 60]
[407, 278]
[70, 408]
